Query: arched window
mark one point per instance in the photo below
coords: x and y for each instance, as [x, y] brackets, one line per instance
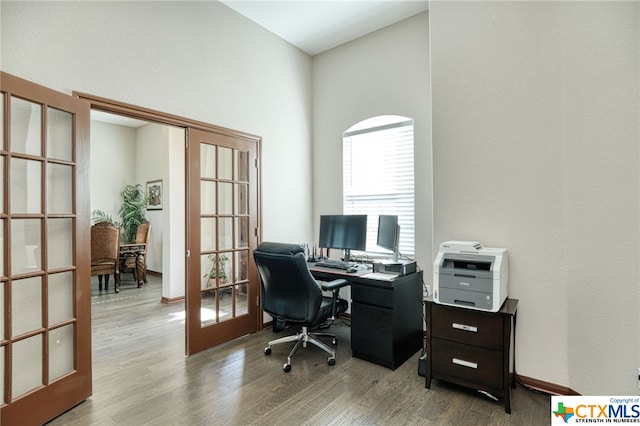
[379, 177]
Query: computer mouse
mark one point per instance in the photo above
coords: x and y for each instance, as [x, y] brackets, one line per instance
[352, 270]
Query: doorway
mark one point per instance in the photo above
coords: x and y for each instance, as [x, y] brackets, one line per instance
[222, 205]
[127, 151]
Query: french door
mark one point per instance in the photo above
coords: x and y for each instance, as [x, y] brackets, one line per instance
[45, 295]
[222, 230]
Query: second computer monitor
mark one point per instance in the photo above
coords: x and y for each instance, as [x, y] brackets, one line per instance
[389, 234]
[345, 232]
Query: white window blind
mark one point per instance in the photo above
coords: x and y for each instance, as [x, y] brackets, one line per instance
[378, 173]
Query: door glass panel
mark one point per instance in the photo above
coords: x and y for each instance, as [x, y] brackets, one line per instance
[242, 202]
[242, 166]
[1, 134]
[225, 233]
[208, 234]
[1, 374]
[242, 305]
[2, 284]
[2, 227]
[25, 245]
[225, 198]
[242, 232]
[2, 163]
[59, 134]
[225, 163]
[60, 243]
[208, 310]
[26, 127]
[207, 161]
[26, 174]
[60, 300]
[225, 312]
[61, 351]
[207, 197]
[27, 365]
[59, 188]
[242, 265]
[26, 304]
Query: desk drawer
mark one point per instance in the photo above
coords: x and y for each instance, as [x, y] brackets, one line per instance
[372, 295]
[470, 365]
[372, 331]
[467, 326]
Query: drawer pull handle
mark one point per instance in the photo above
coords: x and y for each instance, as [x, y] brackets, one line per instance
[465, 363]
[464, 327]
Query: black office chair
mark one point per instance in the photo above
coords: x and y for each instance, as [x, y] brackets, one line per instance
[292, 296]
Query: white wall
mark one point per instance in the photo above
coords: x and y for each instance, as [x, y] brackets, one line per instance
[383, 73]
[150, 166]
[535, 148]
[199, 60]
[113, 160]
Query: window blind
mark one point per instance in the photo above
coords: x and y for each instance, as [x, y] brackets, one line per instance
[378, 173]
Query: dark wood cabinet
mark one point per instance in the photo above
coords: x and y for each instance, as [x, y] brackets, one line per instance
[386, 316]
[472, 348]
[386, 321]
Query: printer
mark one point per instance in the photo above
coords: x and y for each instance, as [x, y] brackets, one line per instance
[468, 275]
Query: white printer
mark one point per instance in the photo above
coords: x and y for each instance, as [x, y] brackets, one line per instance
[468, 275]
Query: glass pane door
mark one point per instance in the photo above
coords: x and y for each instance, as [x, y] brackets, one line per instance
[226, 283]
[45, 345]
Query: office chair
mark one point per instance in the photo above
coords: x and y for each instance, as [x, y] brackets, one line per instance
[292, 296]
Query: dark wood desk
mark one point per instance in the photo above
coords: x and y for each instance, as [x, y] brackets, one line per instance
[472, 348]
[386, 316]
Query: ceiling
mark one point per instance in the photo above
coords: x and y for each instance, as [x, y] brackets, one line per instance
[315, 26]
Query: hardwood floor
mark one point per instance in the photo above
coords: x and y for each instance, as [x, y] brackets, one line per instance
[142, 377]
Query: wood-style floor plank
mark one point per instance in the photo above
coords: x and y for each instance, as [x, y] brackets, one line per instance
[142, 377]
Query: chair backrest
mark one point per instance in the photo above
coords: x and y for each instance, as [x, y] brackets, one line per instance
[289, 291]
[105, 242]
[142, 235]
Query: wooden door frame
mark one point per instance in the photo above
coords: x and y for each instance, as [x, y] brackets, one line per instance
[133, 111]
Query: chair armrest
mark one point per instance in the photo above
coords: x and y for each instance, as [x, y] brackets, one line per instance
[334, 285]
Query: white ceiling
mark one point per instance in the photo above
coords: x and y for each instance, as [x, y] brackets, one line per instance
[315, 26]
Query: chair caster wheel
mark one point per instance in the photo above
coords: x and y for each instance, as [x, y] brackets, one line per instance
[286, 368]
[331, 361]
[267, 351]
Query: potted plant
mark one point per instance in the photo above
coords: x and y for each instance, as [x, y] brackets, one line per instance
[132, 211]
[100, 217]
[217, 269]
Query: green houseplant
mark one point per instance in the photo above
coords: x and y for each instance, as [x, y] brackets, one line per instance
[132, 211]
[214, 271]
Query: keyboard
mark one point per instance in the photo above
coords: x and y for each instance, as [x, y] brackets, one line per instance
[333, 265]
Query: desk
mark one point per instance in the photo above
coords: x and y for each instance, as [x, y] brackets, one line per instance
[472, 348]
[386, 316]
[132, 256]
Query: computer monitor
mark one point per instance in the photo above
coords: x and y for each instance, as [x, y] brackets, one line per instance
[389, 234]
[345, 232]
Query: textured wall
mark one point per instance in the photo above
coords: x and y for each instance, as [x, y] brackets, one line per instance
[535, 148]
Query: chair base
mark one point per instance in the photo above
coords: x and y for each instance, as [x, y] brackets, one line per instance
[301, 339]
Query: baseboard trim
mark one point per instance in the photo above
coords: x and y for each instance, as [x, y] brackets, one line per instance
[169, 300]
[546, 387]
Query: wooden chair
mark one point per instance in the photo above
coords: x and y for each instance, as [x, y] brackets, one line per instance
[105, 241]
[134, 255]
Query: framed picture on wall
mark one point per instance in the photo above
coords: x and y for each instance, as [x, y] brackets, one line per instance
[154, 192]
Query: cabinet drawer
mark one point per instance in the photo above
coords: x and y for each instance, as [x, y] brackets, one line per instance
[371, 330]
[470, 365]
[372, 295]
[467, 326]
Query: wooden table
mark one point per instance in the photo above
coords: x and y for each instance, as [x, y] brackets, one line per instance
[133, 256]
